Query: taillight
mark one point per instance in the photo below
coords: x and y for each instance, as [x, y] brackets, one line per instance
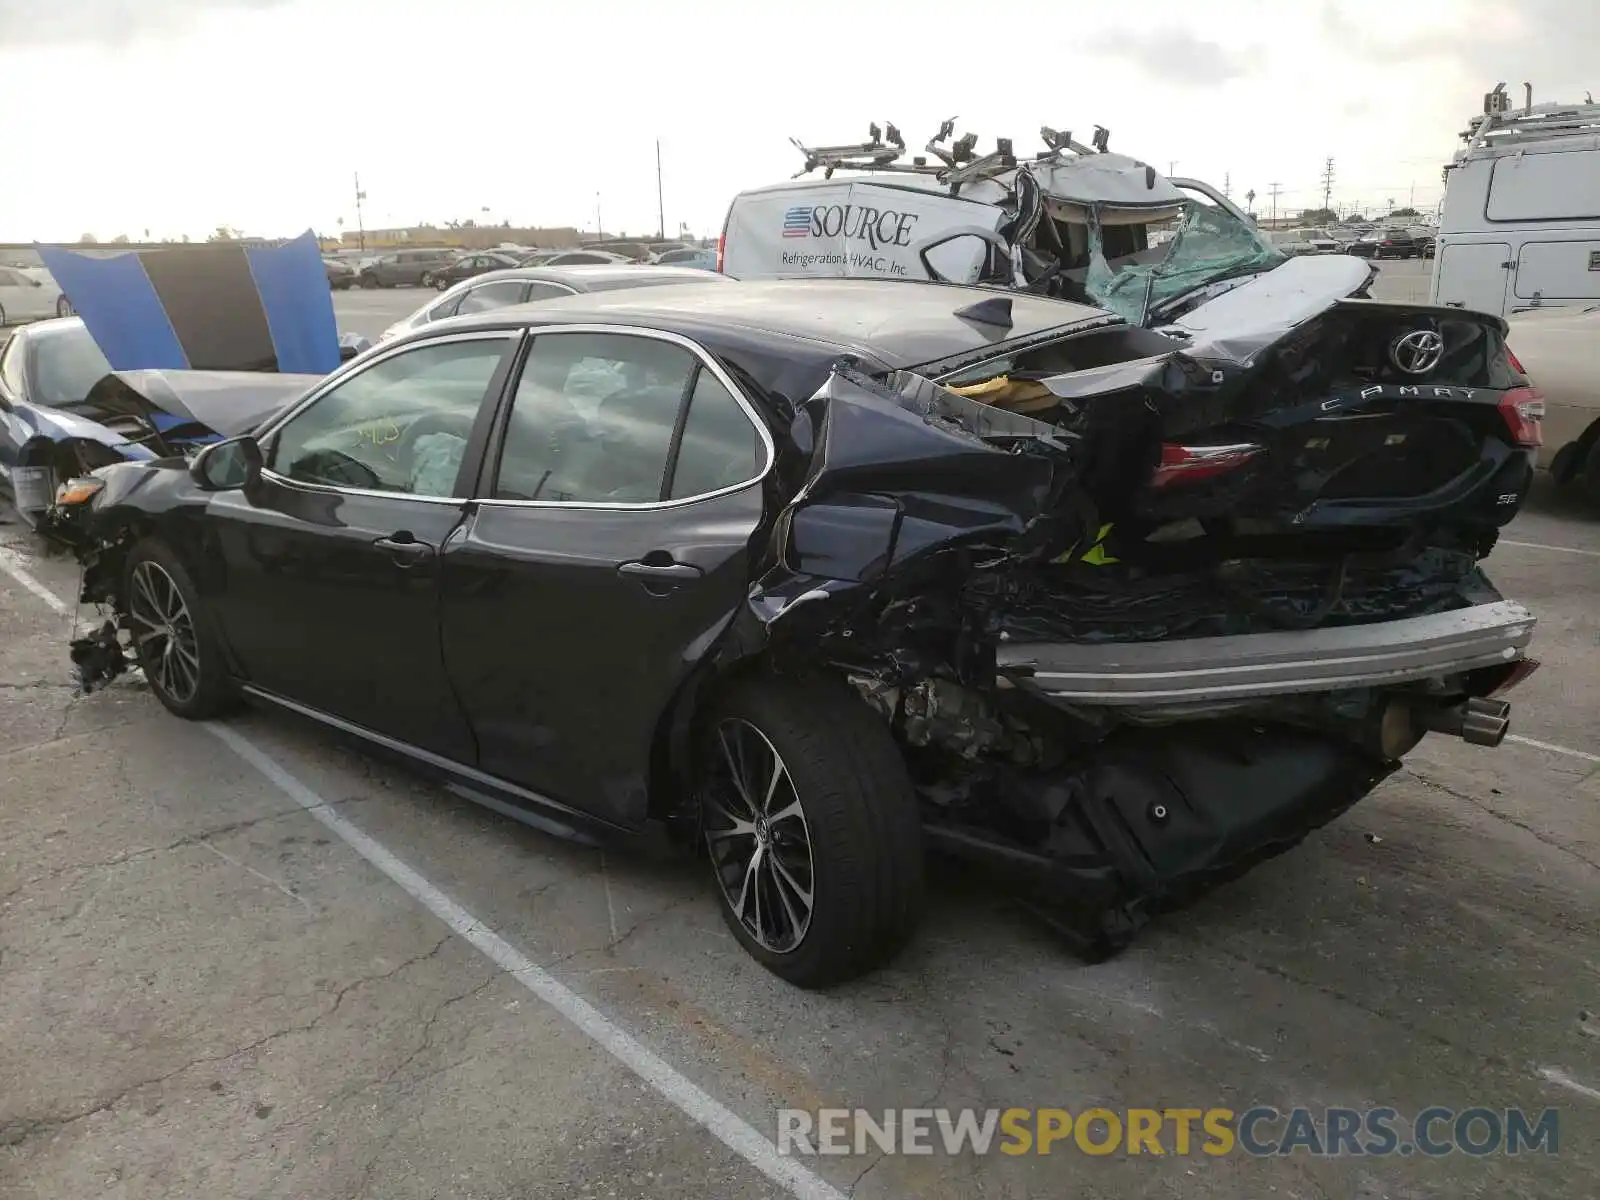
[1190, 464]
[722, 251]
[1523, 410]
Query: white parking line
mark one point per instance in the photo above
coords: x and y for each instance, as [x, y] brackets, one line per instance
[1553, 748]
[11, 564]
[717, 1119]
[690, 1099]
[1546, 546]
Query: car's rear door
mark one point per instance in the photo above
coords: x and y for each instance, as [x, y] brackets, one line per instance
[327, 583]
[607, 553]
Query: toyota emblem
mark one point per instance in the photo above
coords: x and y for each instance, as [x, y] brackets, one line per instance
[1417, 352]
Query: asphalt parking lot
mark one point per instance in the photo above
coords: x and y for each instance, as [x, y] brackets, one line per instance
[244, 960]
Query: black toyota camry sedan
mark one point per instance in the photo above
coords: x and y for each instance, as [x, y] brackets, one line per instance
[814, 573]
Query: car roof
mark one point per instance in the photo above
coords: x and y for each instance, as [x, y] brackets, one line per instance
[602, 276]
[897, 322]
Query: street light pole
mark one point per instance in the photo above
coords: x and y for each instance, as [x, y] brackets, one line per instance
[599, 229]
[361, 228]
[661, 212]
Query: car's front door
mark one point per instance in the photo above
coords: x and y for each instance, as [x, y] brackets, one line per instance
[328, 587]
[609, 551]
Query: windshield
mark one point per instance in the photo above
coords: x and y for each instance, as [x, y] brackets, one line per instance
[65, 363]
[1208, 243]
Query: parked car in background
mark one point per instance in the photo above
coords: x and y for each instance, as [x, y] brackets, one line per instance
[403, 268]
[520, 285]
[27, 295]
[699, 258]
[64, 412]
[574, 258]
[805, 573]
[1386, 243]
[1559, 349]
[341, 273]
[468, 265]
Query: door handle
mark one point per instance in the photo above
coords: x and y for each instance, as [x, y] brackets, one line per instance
[404, 553]
[671, 570]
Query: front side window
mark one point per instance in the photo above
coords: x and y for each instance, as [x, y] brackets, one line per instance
[491, 295]
[593, 419]
[401, 425]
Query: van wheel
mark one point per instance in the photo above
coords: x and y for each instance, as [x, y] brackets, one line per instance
[812, 829]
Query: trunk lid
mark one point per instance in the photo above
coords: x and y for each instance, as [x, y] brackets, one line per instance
[1388, 421]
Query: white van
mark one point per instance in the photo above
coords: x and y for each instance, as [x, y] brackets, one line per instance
[1520, 224]
[1076, 222]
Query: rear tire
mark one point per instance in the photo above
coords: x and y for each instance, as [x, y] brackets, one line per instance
[369, 281]
[828, 808]
[174, 638]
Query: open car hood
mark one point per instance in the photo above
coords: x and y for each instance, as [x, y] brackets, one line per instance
[222, 306]
[223, 402]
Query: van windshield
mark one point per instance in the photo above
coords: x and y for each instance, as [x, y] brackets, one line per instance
[1208, 244]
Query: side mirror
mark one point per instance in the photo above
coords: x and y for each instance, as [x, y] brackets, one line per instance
[228, 466]
[963, 254]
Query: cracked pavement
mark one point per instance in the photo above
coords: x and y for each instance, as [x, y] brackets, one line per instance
[204, 993]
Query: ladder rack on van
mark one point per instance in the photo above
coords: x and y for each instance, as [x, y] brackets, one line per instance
[957, 164]
[1500, 125]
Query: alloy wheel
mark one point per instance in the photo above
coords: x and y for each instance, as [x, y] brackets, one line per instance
[164, 632]
[758, 838]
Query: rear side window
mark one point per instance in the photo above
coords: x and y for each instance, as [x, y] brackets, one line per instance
[593, 418]
[601, 419]
[720, 447]
[547, 291]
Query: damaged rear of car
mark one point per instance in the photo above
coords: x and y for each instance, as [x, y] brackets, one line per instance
[1121, 611]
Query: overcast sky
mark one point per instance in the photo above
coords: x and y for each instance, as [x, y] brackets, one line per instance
[179, 115]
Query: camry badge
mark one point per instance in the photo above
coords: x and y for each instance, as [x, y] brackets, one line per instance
[1417, 352]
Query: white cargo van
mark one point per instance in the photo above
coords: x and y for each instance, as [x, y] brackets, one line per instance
[1520, 224]
[1074, 222]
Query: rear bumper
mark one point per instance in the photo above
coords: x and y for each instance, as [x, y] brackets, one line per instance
[1253, 666]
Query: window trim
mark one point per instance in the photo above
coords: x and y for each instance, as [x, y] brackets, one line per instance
[707, 363]
[270, 430]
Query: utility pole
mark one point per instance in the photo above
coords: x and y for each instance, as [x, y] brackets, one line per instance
[661, 212]
[1327, 182]
[361, 228]
[1172, 166]
[1276, 189]
[599, 229]
[1227, 185]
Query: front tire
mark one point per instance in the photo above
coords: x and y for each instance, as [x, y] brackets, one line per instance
[441, 283]
[173, 635]
[812, 829]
